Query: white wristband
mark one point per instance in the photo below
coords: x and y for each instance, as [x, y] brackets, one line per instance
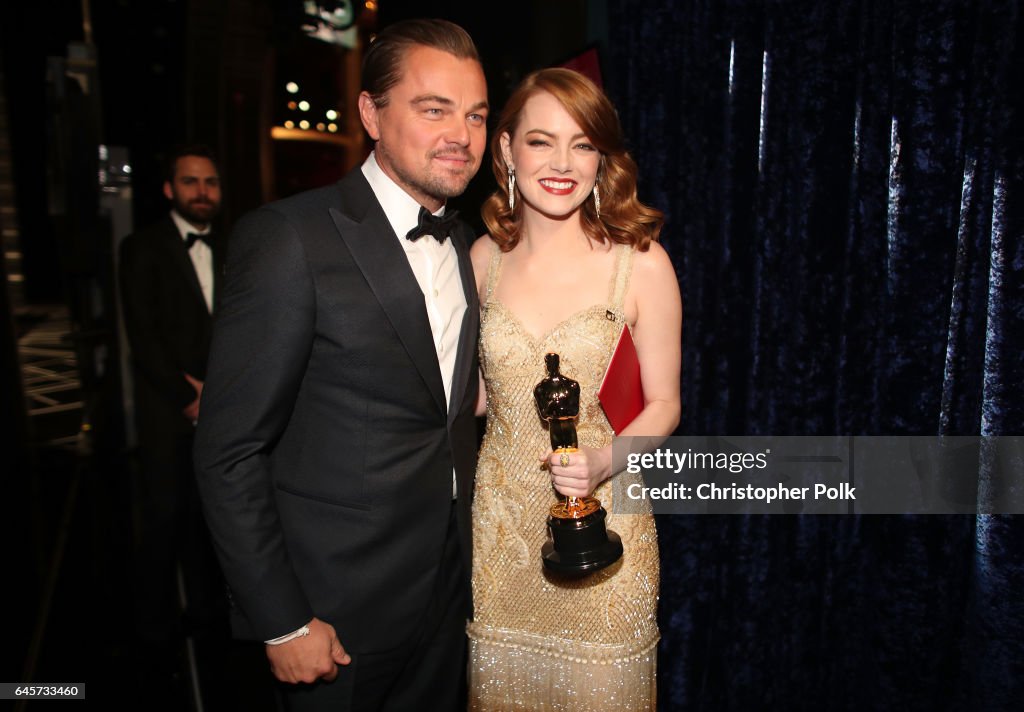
[300, 633]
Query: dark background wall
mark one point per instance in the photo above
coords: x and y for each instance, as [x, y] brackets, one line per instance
[843, 183]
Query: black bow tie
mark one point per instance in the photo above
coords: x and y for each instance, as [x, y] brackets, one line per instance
[439, 227]
[192, 237]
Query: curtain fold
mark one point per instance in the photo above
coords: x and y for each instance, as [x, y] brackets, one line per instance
[843, 183]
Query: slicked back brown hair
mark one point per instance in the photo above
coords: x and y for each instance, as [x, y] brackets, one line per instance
[382, 64]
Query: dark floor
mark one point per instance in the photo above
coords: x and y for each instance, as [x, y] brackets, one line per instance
[67, 546]
[82, 632]
[88, 637]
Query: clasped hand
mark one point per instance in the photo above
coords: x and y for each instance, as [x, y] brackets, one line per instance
[585, 470]
[309, 658]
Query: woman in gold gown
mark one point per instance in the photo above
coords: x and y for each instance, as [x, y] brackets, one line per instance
[571, 257]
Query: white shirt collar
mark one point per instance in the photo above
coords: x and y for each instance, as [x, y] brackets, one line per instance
[402, 210]
[185, 227]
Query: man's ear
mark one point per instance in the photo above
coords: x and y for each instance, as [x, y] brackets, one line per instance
[506, 149]
[369, 115]
[168, 191]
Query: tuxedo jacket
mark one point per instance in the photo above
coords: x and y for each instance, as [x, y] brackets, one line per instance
[325, 447]
[167, 324]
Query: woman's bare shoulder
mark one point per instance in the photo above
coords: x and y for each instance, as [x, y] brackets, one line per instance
[653, 264]
[480, 255]
[482, 247]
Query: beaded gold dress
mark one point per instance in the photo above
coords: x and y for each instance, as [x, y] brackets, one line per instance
[538, 641]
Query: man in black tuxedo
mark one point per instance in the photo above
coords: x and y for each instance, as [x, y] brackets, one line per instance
[169, 276]
[337, 443]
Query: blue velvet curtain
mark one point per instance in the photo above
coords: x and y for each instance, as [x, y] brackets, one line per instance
[844, 183]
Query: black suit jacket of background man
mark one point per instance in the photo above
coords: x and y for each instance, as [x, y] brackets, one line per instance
[168, 327]
[325, 448]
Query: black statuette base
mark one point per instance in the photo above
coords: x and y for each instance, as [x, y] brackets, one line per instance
[580, 546]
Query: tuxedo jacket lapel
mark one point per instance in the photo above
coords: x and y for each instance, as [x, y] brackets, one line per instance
[182, 262]
[464, 362]
[219, 249]
[374, 247]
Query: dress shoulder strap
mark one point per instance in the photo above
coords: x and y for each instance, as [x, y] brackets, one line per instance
[620, 281]
[493, 270]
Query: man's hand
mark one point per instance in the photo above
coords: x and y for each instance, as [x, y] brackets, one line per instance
[191, 411]
[309, 658]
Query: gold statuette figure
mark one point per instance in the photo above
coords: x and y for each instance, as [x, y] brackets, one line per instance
[579, 542]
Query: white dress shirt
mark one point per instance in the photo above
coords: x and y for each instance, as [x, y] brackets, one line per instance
[436, 266]
[201, 256]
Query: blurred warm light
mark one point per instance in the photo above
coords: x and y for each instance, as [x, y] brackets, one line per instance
[281, 133]
[303, 124]
[371, 5]
[304, 105]
[289, 124]
[320, 126]
[292, 105]
[332, 127]
[292, 87]
[332, 114]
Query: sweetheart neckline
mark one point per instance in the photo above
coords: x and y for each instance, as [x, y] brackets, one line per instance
[547, 334]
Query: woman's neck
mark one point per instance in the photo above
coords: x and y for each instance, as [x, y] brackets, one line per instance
[545, 235]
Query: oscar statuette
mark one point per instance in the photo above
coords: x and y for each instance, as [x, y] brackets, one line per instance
[579, 542]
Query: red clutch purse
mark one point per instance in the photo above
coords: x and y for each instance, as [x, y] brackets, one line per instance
[621, 392]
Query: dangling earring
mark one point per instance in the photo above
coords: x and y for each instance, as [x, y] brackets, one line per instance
[597, 201]
[511, 188]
